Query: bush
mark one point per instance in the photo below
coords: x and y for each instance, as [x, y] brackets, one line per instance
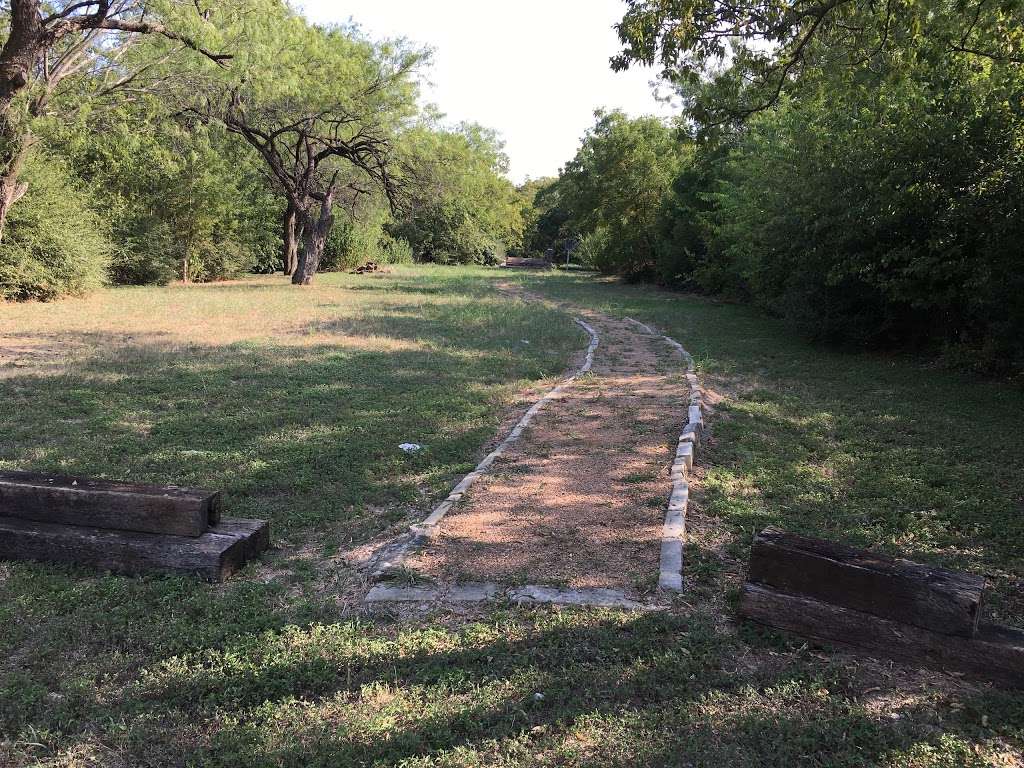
[492, 254]
[395, 250]
[593, 251]
[145, 253]
[178, 197]
[891, 221]
[223, 260]
[54, 243]
[356, 237]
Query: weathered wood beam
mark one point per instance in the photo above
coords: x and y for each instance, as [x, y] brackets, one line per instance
[995, 653]
[214, 556]
[931, 598]
[108, 504]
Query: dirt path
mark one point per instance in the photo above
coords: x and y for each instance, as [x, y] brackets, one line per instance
[579, 500]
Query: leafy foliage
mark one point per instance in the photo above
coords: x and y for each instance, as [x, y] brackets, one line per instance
[358, 236]
[184, 201]
[191, 158]
[771, 45]
[538, 199]
[857, 174]
[883, 206]
[56, 244]
[611, 197]
[461, 209]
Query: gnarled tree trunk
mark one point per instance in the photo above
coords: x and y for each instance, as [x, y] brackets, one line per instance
[17, 58]
[314, 236]
[290, 236]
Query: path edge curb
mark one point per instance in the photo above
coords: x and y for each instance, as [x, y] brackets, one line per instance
[673, 534]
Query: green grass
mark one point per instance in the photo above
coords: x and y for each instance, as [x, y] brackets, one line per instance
[879, 451]
[295, 401]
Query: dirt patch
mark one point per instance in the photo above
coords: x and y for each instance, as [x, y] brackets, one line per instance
[580, 500]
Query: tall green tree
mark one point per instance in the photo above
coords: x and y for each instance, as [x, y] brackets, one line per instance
[460, 206]
[543, 218]
[769, 45]
[182, 199]
[884, 205]
[860, 164]
[322, 115]
[615, 188]
[63, 44]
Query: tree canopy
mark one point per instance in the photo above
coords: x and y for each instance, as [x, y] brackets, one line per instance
[323, 119]
[854, 167]
[735, 59]
[461, 207]
[213, 141]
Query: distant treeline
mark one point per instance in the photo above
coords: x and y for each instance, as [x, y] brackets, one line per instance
[146, 142]
[863, 178]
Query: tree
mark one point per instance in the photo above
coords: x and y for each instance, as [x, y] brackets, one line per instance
[46, 44]
[535, 204]
[882, 206]
[181, 199]
[460, 207]
[615, 187]
[322, 114]
[770, 44]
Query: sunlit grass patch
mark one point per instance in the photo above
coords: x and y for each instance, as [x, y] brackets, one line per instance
[269, 391]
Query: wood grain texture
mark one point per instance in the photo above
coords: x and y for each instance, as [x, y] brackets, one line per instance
[931, 598]
[213, 556]
[995, 653]
[108, 504]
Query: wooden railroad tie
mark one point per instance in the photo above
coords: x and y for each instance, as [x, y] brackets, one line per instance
[886, 606]
[123, 527]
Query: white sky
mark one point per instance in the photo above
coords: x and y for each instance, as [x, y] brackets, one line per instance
[535, 70]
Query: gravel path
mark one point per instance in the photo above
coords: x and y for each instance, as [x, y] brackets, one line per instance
[579, 500]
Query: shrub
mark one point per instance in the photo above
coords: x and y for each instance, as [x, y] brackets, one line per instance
[145, 253]
[54, 243]
[395, 250]
[353, 241]
[593, 251]
[221, 260]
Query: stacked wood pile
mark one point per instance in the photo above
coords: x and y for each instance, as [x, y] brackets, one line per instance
[123, 527]
[887, 606]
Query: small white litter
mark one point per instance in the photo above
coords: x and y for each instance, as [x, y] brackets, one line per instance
[410, 447]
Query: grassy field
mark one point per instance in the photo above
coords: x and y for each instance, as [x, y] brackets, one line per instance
[879, 451]
[295, 401]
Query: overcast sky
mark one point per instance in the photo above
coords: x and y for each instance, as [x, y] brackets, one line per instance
[533, 69]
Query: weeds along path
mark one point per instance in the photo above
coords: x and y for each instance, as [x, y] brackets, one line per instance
[578, 500]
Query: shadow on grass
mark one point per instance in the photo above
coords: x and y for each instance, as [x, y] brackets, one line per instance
[302, 433]
[170, 672]
[581, 688]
